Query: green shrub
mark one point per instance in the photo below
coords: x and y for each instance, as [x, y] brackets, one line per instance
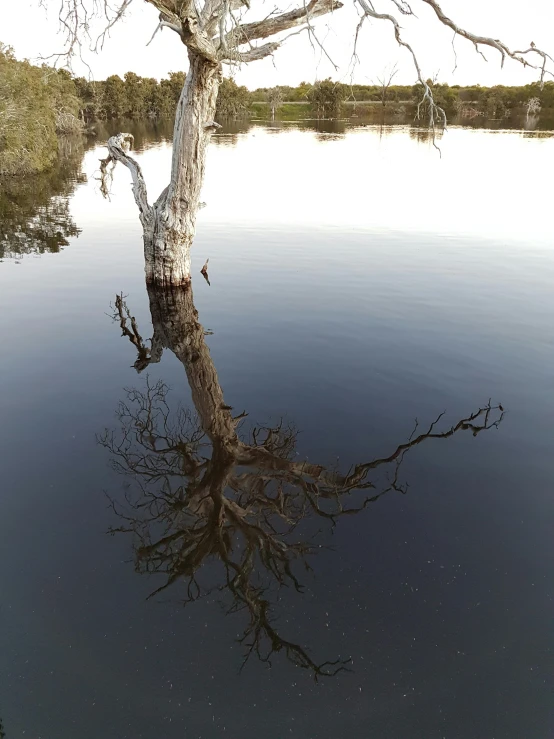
[28, 140]
[326, 98]
[233, 101]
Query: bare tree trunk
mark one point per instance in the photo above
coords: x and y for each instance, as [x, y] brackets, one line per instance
[169, 232]
[212, 36]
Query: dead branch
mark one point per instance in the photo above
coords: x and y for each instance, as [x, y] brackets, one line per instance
[435, 112]
[501, 47]
[118, 148]
[385, 81]
[106, 175]
[123, 315]
[204, 272]
[270, 26]
[76, 18]
[216, 35]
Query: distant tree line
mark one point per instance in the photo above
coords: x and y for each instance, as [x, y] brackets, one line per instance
[130, 97]
[327, 98]
[38, 103]
[139, 97]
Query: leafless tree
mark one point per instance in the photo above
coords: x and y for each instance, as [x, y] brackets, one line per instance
[385, 81]
[215, 33]
[207, 491]
[533, 107]
[275, 100]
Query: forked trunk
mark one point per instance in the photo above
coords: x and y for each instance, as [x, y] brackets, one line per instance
[169, 232]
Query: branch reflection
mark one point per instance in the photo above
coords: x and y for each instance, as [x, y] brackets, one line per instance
[209, 495]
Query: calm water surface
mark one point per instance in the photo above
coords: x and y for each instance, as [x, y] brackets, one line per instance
[358, 282]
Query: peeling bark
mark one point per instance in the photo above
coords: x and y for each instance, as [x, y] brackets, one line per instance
[169, 225]
[167, 246]
[118, 148]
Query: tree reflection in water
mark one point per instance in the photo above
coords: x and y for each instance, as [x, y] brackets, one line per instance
[207, 491]
[34, 211]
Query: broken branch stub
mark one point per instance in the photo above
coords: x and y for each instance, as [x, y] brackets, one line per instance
[118, 148]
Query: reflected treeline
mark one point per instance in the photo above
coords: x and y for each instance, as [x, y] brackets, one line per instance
[527, 126]
[231, 130]
[147, 133]
[541, 123]
[425, 135]
[538, 134]
[329, 130]
[34, 211]
[534, 126]
[218, 507]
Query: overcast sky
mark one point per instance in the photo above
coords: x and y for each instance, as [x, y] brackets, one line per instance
[33, 32]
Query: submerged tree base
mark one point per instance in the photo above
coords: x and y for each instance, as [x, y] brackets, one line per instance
[184, 282]
[167, 261]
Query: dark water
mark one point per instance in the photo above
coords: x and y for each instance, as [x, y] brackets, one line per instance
[358, 282]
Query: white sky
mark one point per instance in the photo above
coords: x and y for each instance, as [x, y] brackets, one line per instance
[33, 32]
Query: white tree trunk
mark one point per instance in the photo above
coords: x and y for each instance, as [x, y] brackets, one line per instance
[169, 224]
[169, 232]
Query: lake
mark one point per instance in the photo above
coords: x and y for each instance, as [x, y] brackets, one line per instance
[366, 566]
